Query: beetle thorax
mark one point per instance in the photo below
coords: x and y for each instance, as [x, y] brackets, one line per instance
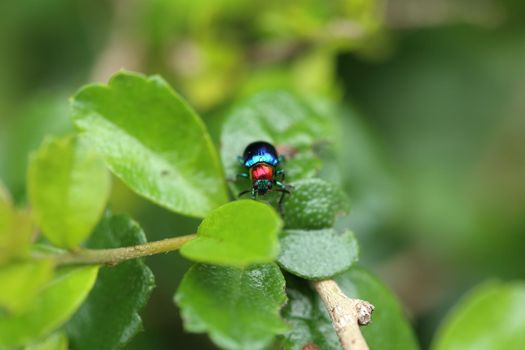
[261, 171]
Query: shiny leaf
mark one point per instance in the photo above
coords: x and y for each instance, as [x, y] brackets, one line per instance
[153, 141]
[68, 187]
[317, 254]
[237, 307]
[237, 234]
[57, 301]
[109, 317]
[492, 316]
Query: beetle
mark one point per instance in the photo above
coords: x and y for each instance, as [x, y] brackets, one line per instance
[262, 164]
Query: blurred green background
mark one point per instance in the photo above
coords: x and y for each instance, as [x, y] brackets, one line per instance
[431, 94]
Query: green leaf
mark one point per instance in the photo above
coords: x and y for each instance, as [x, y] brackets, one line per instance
[492, 316]
[237, 234]
[21, 282]
[317, 254]
[56, 341]
[279, 118]
[5, 210]
[68, 187]
[238, 307]
[109, 317]
[314, 204]
[311, 322]
[15, 229]
[53, 306]
[153, 141]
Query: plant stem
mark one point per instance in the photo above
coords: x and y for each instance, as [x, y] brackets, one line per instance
[347, 314]
[117, 255]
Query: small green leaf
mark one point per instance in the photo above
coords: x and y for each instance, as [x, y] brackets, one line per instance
[237, 234]
[311, 323]
[53, 306]
[68, 187]
[15, 229]
[492, 316]
[21, 282]
[314, 204]
[153, 141]
[56, 341]
[6, 210]
[109, 317]
[239, 308]
[317, 254]
[282, 119]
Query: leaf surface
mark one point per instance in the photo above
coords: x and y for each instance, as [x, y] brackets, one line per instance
[492, 316]
[237, 307]
[153, 141]
[21, 282]
[237, 234]
[314, 204]
[318, 254]
[16, 229]
[68, 187]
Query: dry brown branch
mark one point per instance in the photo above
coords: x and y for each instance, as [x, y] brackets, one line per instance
[347, 314]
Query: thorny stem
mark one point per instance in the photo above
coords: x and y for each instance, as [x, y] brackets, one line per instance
[347, 314]
[118, 255]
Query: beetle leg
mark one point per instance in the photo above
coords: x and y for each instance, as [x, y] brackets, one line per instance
[280, 172]
[241, 160]
[282, 186]
[281, 200]
[243, 175]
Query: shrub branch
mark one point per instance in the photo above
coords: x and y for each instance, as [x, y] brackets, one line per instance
[347, 314]
[118, 255]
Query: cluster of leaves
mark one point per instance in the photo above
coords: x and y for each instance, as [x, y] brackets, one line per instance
[248, 288]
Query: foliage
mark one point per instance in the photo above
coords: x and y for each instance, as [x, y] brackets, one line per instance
[148, 137]
[152, 140]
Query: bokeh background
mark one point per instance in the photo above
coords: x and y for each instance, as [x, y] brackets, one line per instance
[431, 94]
